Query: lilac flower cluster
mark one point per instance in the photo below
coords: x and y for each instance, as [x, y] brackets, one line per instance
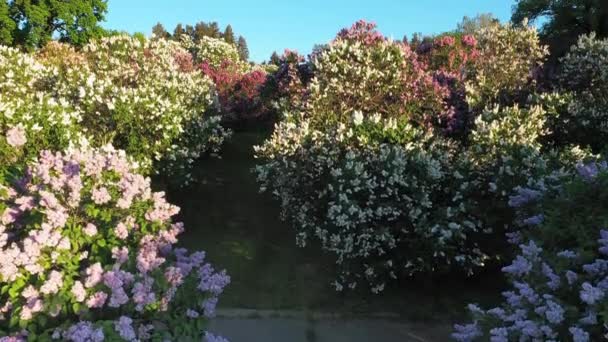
[558, 293]
[84, 235]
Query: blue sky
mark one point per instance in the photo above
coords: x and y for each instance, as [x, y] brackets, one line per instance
[275, 25]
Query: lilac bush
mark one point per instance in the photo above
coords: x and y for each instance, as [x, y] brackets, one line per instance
[560, 277]
[84, 239]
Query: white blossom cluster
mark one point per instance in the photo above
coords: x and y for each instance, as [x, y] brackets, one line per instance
[508, 57]
[383, 209]
[136, 95]
[43, 120]
[389, 200]
[585, 75]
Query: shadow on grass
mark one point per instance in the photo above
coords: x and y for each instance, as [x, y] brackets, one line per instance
[240, 230]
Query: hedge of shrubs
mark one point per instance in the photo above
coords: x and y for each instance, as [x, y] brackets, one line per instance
[400, 158]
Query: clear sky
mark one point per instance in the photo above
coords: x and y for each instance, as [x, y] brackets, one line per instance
[275, 25]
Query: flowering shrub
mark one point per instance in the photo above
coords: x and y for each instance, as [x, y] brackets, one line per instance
[363, 71]
[584, 75]
[389, 200]
[285, 89]
[239, 92]
[450, 60]
[213, 51]
[141, 96]
[381, 195]
[84, 239]
[559, 279]
[508, 59]
[30, 120]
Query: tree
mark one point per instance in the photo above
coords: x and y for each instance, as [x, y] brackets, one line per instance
[564, 20]
[275, 59]
[243, 49]
[36, 22]
[229, 35]
[159, 31]
[7, 25]
[201, 29]
[471, 25]
[214, 30]
[179, 31]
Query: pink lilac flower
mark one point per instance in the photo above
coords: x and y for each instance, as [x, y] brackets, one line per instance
[53, 283]
[97, 300]
[125, 329]
[121, 255]
[16, 136]
[79, 291]
[121, 231]
[101, 196]
[469, 40]
[94, 275]
[90, 230]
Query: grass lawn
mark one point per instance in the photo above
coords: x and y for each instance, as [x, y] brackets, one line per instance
[241, 231]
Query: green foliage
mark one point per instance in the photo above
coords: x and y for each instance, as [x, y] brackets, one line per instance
[564, 20]
[34, 23]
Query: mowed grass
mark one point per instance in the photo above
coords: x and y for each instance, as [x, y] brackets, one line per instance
[240, 230]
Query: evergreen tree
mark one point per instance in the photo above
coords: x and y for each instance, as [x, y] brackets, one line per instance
[243, 49]
[190, 31]
[274, 58]
[33, 23]
[159, 31]
[214, 30]
[201, 29]
[178, 32]
[229, 35]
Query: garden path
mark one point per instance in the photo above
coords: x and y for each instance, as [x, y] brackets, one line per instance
[276, 285]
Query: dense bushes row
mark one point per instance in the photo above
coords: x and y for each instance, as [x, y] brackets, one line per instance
[400, 158]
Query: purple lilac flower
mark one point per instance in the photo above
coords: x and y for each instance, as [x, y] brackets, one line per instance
[530, 250]
[84, 331]
[209, 337]
[599, 266]
[520, 266]
[554, 313]
[590, 294]
[578, 334]
[124, 328]
[523, 196]
[466, 333]
[567, 254]
[572, 277]
[554, 280]
[499, 335]
[589, 319]
[534, 220]
[589, 171]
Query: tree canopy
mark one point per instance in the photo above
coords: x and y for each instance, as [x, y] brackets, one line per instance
[563, 21]
[33, 23]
